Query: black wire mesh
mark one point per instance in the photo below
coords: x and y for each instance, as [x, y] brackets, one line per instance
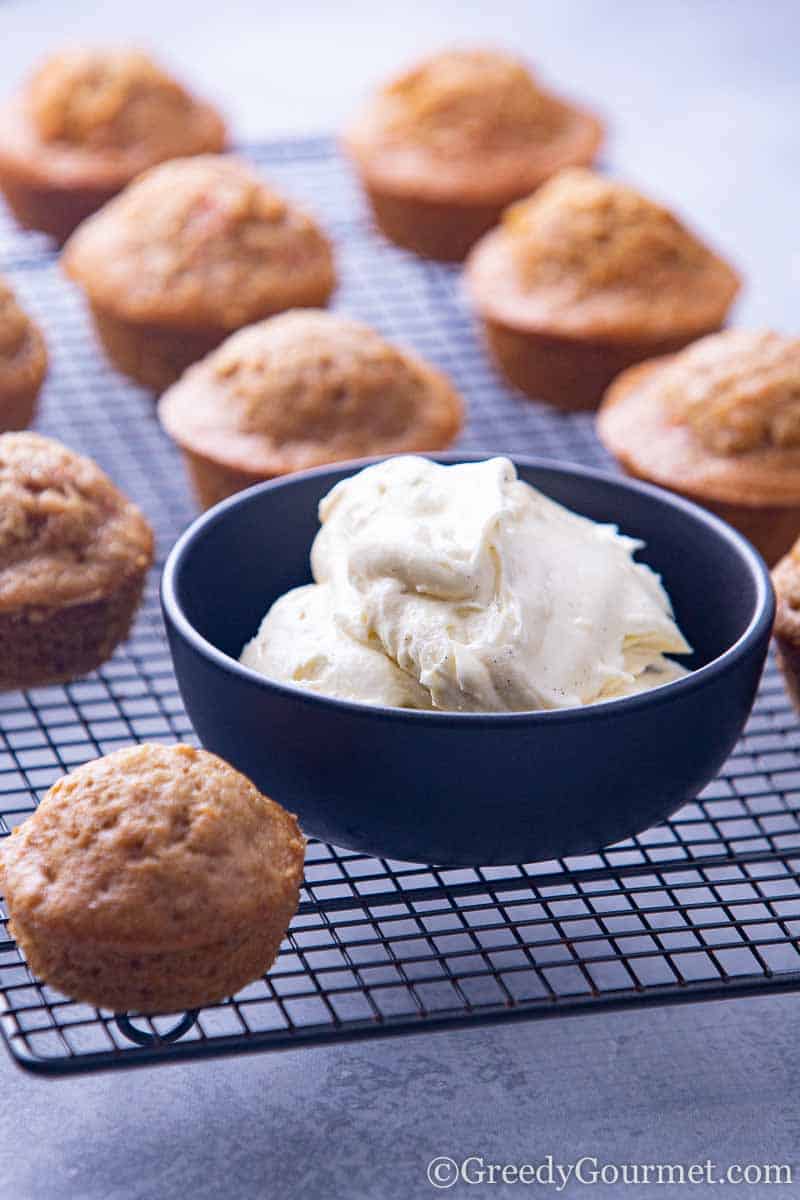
[705, 905]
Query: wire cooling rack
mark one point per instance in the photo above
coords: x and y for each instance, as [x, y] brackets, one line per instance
[704, 906]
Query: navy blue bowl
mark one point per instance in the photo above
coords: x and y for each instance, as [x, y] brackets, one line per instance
[467, 788]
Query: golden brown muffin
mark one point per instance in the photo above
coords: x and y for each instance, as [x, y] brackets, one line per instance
[85, 124]
[157, 879]
[299, 390]
[586, 278]
[74, 553]
[23, 363]
[720, 424]
[442, 149]
[191, 251]
[786, 580]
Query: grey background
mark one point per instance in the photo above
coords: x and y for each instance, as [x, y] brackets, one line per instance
[703, 102]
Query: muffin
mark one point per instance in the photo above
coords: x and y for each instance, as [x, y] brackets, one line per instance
[299, 390]
[85, 124]
[74, 553]
[786, 579]
[155, 879]
[23, 363]
[587, 277]
[192, 250]
[442, 149]
[720, 424]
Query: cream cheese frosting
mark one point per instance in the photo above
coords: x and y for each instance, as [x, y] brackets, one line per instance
[463, 588]
[300, 642]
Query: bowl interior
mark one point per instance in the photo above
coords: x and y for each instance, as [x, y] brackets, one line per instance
[252, 549]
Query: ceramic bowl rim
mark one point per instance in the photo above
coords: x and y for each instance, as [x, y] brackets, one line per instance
[759, 625]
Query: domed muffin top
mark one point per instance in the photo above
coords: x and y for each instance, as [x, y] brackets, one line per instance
[109, 99]
[469, 126]
[786, 579]
[720, 419]
[201, 241]
[95, 118]
[314, 375]
[591, 253]
[15, 325]
[23, 357]
[308, 387]
[738, 391]
[467, 101]
[587, 232]
[67, 535]
[152, 846]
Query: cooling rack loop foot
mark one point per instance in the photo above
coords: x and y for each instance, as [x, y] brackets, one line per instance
[144, 1037]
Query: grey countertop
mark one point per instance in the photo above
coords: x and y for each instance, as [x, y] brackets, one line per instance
[702, 100]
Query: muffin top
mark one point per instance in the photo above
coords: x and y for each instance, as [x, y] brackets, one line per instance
[589, 256]
[152, 847]
[425, 130]
[23, 357]
[309, 387]
[786, 579]
[105, 115]
[722, 418]
[67, 535]
[199, 242]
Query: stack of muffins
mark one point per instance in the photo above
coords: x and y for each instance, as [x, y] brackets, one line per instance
[208, 287]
